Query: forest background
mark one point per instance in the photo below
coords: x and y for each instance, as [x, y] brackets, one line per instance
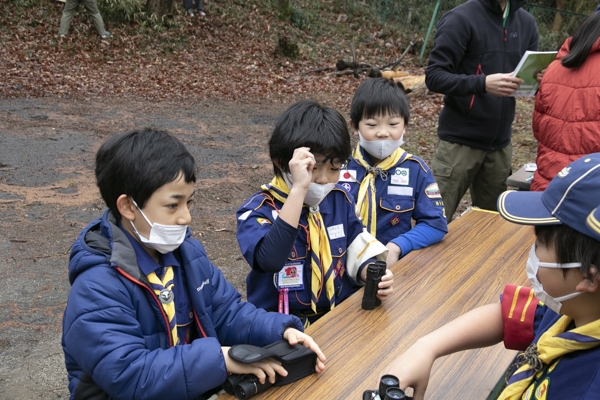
[218, 83]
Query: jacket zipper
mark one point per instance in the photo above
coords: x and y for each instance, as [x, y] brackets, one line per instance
[160, 307]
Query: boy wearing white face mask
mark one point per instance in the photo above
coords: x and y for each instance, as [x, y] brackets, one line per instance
[391, 187]
[148, 315]
[557, 323]
[305, 246]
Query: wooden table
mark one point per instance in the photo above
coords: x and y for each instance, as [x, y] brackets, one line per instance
[480, 254]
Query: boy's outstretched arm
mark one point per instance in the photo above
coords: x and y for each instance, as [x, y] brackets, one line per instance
[480, 327]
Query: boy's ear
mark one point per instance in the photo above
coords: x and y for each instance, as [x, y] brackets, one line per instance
[354, 129]
[590, 284]
[126, 207]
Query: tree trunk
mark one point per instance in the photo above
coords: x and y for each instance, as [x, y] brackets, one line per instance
[560, 5]
[159, 8]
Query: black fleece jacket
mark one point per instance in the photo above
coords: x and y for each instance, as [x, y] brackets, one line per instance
[470, 43]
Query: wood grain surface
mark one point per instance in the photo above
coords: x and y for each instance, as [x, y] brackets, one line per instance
[469, 268]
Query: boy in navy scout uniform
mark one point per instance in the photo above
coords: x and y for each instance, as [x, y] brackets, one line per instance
[556, 324]
[148, 315]
[300, 235]
[391, 187]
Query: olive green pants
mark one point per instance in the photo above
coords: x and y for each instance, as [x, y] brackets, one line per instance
[91, 8]
[458, 167]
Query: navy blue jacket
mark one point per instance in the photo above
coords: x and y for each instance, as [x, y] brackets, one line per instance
[114, 328]
[470, 43]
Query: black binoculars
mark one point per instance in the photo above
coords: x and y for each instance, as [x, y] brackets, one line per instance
[374, 273]
[245, 386]
[389, 389]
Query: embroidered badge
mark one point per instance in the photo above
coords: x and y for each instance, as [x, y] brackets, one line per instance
[347, 175]
[339, 268]
[262, 221]
[564, 172]
[401, 176]
[433, 191]
[542, 390]
[346, 186]
[395, 221]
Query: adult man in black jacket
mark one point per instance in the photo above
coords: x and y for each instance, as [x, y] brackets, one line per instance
[477, 46]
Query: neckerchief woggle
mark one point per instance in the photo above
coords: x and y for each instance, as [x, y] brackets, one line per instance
[553, 343]
[366, 201]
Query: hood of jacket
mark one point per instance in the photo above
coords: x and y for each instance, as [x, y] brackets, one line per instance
[102, 242]
[494, 5]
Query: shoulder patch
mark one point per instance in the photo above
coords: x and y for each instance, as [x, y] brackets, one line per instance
[347, 175]
[433, 191]
[245, 215]
[263, 221]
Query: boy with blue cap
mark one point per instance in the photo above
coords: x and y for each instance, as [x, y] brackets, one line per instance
[557, 323]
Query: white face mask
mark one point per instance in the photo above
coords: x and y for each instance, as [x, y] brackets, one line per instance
[316, 192]
[163, 238]
[533, 264]
[380, 149]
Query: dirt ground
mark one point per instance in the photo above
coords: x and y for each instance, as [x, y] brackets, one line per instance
[48, 194]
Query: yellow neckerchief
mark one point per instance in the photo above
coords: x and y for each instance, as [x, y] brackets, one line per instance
[553, 343]
[366, 202]
[164, 291]
[321, 260]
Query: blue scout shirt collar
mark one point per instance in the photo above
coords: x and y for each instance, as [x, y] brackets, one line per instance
[145, 261]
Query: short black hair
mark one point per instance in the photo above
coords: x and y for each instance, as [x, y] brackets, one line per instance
[138, 163]
[586, 34]
[571, 246]
[378, 96]
[309, 124]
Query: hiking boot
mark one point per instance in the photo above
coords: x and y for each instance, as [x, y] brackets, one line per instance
[106, 35]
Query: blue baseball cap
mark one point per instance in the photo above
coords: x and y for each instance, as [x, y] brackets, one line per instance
[593, 222]
[569, 198]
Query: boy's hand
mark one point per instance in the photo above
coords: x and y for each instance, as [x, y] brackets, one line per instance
[394, 254]
[413, 368]
[267, 368]
[294, 336]
[301, 166]
[386, 285]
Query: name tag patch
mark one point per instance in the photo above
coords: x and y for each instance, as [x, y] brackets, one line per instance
[290, 276]
[400, 190]
[401, 176]
[336, 231]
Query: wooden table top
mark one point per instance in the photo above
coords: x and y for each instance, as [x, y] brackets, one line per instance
[469, 268]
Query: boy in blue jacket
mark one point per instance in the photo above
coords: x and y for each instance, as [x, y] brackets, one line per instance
[556, 322]
[300, 235]
[148, 315]
[392, 188]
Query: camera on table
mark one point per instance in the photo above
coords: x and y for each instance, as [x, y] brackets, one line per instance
[389, 389]
[245, 386]
[375, 272]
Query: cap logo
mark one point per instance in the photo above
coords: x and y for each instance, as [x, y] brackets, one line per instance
[564, 172]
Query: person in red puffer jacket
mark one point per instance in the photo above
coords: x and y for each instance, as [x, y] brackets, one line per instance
[566, 120]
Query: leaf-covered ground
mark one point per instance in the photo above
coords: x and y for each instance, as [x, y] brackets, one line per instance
[232, 54]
